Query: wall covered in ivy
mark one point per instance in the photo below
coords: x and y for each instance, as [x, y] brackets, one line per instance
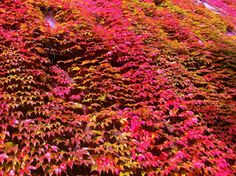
[118, 87]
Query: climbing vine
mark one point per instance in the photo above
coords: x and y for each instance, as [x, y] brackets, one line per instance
[119, 87]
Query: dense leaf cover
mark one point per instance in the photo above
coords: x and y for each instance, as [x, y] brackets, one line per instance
[118, 87]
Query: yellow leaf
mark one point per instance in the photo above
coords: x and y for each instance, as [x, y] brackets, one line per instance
[9, 145]
[75, 69]
[85, 62]
[94, 167]
[77, 106]
[124, 174]
[103, 97]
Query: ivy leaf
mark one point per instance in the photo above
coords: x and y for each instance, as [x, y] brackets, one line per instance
[3, 157]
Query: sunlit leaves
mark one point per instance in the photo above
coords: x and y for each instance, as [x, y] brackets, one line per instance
[137, 89]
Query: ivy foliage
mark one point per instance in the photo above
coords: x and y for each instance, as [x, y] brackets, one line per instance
[119, 87]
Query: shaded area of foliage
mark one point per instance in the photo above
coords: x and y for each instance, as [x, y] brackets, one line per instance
[116, 88]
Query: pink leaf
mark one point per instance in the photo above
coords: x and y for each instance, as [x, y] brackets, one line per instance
[3, 157]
